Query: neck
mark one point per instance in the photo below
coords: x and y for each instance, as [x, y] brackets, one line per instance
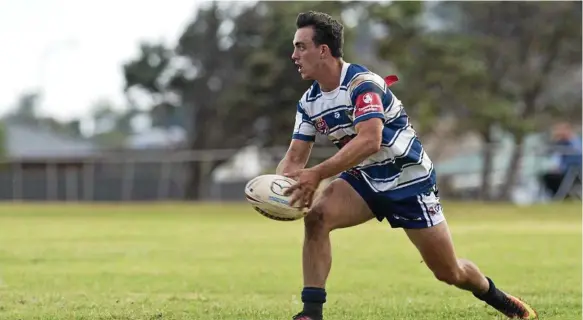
[331, 75]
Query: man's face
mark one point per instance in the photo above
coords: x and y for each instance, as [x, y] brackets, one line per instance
[306, 54]
[561, 132]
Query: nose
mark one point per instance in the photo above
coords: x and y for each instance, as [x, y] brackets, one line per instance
[294, 56]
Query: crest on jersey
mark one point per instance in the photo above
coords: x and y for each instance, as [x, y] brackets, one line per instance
[322, 126]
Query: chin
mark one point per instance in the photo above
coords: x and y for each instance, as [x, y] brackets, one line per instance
[306, 76]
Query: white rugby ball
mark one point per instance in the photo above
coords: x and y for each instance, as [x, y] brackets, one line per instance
[265, 193]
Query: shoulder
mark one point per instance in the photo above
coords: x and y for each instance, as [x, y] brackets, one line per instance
[355, 68]
[353, 71]
[356, 75]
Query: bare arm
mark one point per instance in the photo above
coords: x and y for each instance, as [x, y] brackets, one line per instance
[366, 143]
[296, 156]
[366, 96]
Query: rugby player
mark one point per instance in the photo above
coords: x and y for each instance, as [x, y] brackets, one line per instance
[384, 172]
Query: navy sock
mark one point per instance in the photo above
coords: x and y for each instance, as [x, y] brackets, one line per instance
[313, 299]
[492, 294]
[499, 301]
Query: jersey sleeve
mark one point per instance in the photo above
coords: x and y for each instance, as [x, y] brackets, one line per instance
[366, 96]
[304, 128]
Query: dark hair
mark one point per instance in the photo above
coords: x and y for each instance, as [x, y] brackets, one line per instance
[327, 30]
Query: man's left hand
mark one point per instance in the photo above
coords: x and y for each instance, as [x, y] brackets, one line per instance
[307, 181]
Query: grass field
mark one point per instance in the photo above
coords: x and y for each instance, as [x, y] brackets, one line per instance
[177, 261]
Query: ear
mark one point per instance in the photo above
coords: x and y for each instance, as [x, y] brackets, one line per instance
[324, 51]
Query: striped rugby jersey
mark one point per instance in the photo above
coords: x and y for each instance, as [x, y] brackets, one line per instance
[401, 168]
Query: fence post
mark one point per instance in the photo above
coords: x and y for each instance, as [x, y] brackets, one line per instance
[71, 184]
[17, 182]
[88, 180]
[127, 184]
[165, 177]
[52, 181]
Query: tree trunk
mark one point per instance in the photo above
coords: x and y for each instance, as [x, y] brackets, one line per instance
[487, 160]
[513, 168]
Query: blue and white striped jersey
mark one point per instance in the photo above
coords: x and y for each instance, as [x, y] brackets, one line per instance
[401, 168]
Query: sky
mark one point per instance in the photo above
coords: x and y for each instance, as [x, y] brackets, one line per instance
[54, 44]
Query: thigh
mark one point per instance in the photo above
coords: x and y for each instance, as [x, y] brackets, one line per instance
[435, 246]
[340, 206]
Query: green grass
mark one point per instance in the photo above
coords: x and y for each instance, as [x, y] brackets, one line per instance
[177, 261]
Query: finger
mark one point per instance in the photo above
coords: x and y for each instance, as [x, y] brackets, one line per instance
[301, 197]
[310, 200]
[291, 189]
[307, 200]
[297, 196]
[304, 197]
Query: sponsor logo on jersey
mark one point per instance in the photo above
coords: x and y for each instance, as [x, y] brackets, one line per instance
[369, 102]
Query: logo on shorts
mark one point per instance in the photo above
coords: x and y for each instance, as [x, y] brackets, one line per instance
[434, 209]
[322, 126]
[354, 172]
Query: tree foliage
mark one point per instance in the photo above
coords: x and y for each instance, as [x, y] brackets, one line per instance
[522, 45]
[230, 82]
[230, 77]
[484, 63]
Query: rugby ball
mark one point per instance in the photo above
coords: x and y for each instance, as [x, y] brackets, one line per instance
[265, 193]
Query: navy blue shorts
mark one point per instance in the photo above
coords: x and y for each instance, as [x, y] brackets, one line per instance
[416, 212]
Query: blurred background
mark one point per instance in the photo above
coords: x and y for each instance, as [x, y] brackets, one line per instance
[188, 100]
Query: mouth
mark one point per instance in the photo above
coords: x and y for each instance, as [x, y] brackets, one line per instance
[299, 66]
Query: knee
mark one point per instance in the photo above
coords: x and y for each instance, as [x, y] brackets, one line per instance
[452, 275]
[318, 221]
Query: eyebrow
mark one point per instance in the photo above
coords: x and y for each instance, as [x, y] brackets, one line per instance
[297, 43]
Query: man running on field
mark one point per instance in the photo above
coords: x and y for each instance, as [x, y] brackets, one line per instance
[385, 172]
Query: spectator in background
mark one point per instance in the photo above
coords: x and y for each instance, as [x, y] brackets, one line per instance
[566, 150]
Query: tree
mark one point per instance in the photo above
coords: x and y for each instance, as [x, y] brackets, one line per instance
[522, 44]
[111, 126]
[485, 64]
[26, 108]
[193, 81]
[440, 75]
[230, 77]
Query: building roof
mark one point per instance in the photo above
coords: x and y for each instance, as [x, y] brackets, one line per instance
[29, 142]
